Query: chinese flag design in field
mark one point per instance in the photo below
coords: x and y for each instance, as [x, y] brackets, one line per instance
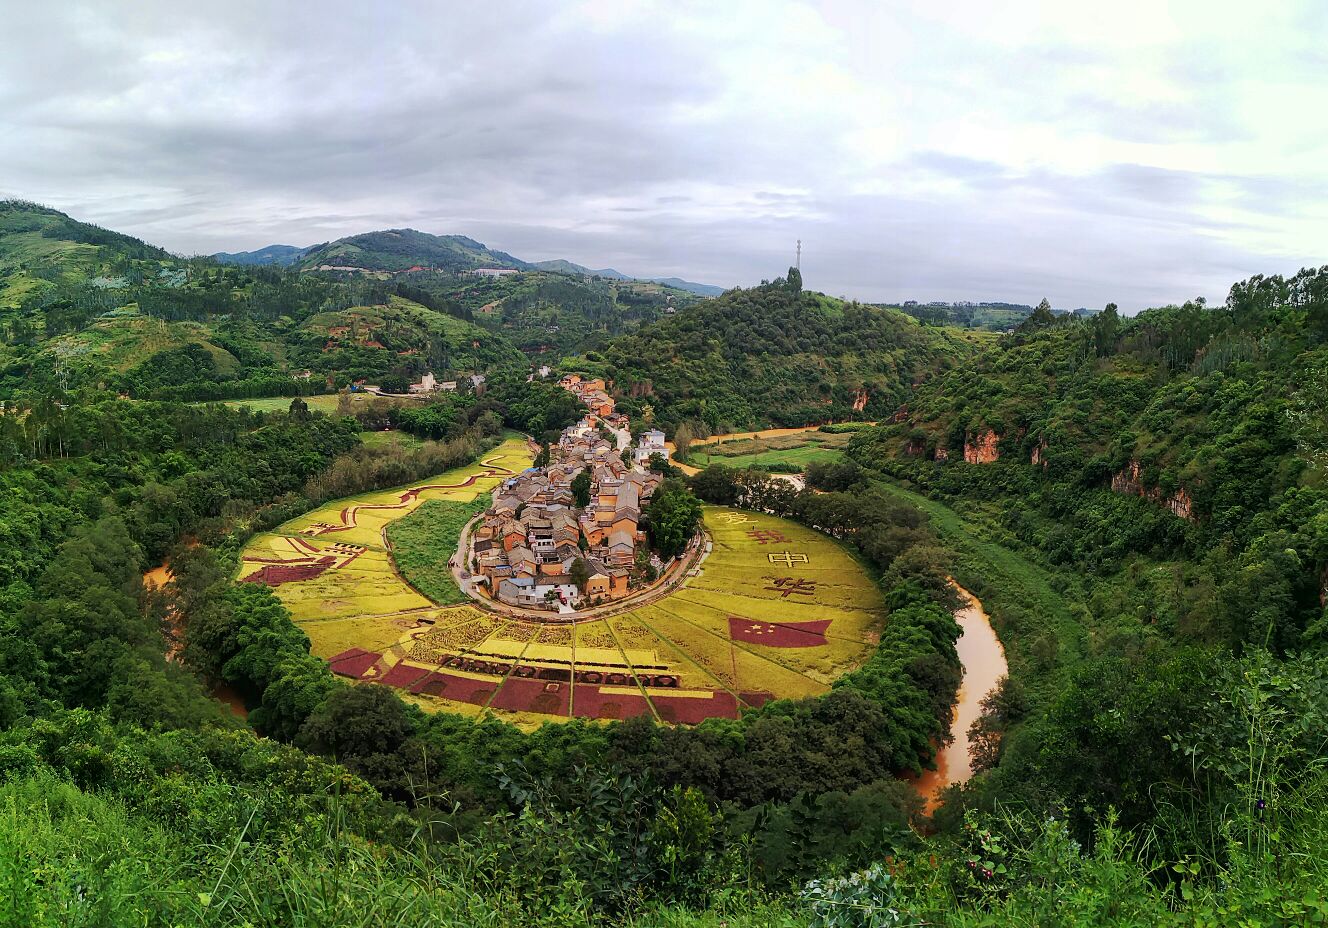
[778, 634]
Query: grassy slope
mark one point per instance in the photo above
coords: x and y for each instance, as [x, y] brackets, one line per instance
[122, 344]
[1035, 622]
[36, 241]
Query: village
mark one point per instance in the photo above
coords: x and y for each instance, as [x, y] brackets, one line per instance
[568, 536]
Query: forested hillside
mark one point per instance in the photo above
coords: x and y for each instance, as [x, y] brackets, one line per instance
[1167, 470]
[402, 249]
[776, 355]
[83, 307]
[1182, 434]
[41, 247]
[552, 315]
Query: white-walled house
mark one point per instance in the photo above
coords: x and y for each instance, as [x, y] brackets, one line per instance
[651, 443]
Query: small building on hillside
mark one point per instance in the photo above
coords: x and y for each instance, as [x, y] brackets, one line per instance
[652, 443]
[428, 384]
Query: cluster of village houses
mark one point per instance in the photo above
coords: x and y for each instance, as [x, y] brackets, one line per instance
[527, 542]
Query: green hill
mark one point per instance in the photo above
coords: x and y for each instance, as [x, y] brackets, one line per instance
[84, 307]
[272, 254]
[402, 249]
[774, 355]
[1114, 444]
[551, 314]
[42, 247]
[563, 266]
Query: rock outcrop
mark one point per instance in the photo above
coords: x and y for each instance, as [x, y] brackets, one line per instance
[1039, 456]
[1130, 482]
[1181, 505]
[981, 448]
[860, 400]
[942, 454]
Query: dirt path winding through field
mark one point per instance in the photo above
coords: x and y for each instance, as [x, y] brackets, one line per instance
[349, 513]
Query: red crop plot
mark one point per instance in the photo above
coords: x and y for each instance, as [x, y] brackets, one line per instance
[277, 574]
[403, 676]
[451, 686]
[591, 702]
[528, 695]
[778, 634]
[353, 663]
[693, 709]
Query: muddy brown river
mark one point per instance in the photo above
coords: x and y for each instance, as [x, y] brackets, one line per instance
[983, 658]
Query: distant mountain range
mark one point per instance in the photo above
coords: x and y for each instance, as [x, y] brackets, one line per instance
[405, 249]
[563, 266]
[283, 255]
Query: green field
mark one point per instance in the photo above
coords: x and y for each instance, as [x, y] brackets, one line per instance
[389, 438]
[423, 541]
[798, 457]
[323, 402]
[797, 450]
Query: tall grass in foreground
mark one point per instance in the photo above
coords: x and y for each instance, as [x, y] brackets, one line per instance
[73, 859]
[78, 860]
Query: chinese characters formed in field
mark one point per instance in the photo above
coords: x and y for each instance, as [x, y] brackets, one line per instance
[792, 586]
[786, 558]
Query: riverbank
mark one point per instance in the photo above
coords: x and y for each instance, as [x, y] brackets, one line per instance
[155, 580]
[983, 660]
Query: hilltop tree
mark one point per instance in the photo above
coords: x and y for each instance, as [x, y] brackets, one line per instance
[1041, 318]
[1105, 325]
[795, 280]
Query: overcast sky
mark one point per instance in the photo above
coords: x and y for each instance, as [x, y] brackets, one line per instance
[1143, 153]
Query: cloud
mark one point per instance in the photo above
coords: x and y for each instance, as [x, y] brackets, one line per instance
[1139, 154]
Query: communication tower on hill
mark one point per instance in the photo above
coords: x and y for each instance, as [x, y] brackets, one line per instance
[798, 261]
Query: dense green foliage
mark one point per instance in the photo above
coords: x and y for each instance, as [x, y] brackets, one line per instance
[1204, 412]
[671, 518]
[551, 315]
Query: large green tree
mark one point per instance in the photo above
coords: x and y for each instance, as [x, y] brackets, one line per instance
[672, 517]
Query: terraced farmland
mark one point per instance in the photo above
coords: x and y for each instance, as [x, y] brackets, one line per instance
[776, 610]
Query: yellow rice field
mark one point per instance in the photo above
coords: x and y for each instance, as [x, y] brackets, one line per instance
[776, 610]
